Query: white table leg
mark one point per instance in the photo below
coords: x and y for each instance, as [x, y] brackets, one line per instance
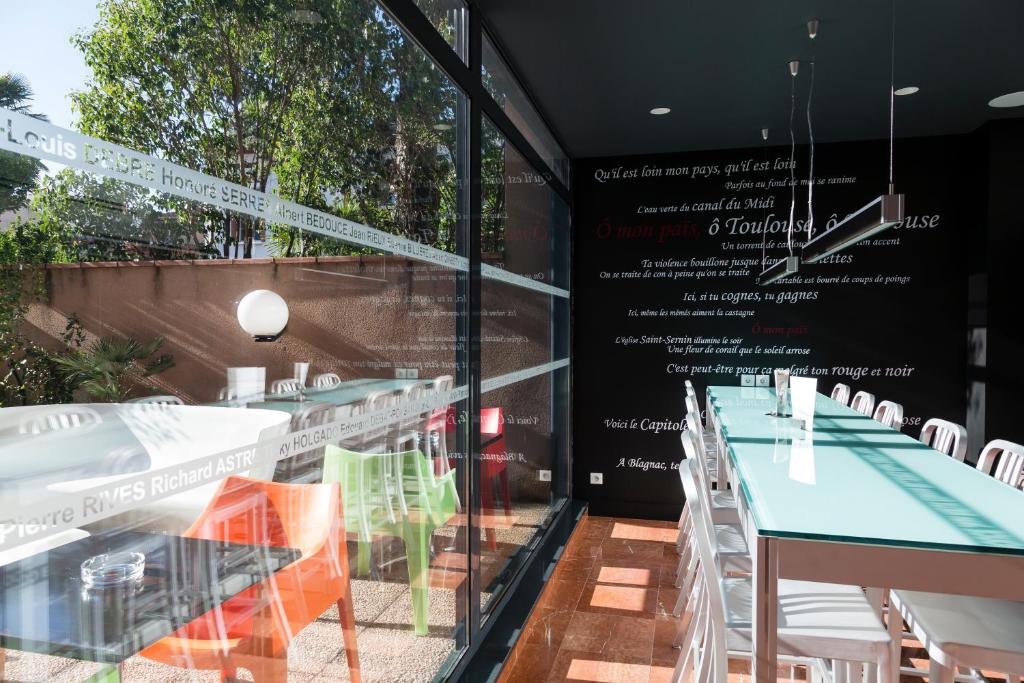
[766, 605]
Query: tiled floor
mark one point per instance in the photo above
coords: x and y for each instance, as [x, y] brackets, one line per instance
[606, 614]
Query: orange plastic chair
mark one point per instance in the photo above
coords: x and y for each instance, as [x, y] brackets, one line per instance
[253, 628]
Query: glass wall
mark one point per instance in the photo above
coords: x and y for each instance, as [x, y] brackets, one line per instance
[235, 395]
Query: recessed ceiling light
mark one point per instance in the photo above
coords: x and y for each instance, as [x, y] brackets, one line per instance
[658, 111]
[1012, 99]
[909, 90]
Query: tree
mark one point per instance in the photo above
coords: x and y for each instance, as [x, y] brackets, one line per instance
[18, 173]
[110, 368]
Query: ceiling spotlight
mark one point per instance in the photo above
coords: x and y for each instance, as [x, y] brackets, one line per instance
[659, 111]
[794, 67]
[909, 90]
[1012, 99]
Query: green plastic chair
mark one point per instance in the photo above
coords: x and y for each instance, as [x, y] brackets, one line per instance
[369, 510]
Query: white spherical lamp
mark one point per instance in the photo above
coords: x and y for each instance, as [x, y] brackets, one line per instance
[263, 314]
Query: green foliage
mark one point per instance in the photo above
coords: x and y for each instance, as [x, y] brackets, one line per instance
[18, 173]
[111, 368]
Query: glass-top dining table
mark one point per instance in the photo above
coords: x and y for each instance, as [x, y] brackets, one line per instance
[855, 502]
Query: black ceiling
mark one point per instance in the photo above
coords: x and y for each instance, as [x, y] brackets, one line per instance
[597, 67]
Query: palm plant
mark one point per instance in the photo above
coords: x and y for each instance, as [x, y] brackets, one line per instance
[111, 368]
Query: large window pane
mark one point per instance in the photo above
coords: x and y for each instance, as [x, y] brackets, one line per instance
[229, 323]
[503, 85]
[449, 17]
[524, 349]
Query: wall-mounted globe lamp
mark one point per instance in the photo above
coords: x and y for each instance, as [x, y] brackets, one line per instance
[263, 314]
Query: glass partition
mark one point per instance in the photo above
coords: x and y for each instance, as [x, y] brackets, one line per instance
[524, 359]
[230, 397]
[235, 305]
[504, 87]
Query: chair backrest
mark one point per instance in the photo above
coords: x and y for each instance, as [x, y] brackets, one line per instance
[326, 380]
[227, 394]
[693, 409]
[690, 391]
[166, 400]
[375, 401]
[256, 512]
[284, 386]
[863, 403]
[706, 634]
[56, 418]
[841, 393]
[1008, 458]
[946, 437]
[694, 449]
[443, 383]
[890, 414]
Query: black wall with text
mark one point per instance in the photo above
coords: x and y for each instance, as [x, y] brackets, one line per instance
[667, 252]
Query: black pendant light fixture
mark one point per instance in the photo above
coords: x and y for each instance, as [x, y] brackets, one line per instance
[882, 212]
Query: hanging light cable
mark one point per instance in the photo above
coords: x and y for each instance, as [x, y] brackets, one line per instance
[789, 265]
[764, 208]
[812, 31]
[884, 211]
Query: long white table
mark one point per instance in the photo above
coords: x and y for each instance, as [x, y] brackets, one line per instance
[857, 503]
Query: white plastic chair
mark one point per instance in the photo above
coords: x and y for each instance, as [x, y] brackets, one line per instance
[946, 437]
[841, 393]
[285, 386]
[863, 403]
[326, 380]
[54, 418]
[961, 630]
[435, 437]
[733, 556]
[890, 414]
[690, 391]
[167, 400]
[1008, 459]
[815, 620]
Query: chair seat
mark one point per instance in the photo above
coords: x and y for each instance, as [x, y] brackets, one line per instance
[825, 620]
[979, 632]
[732, 549]
[723, 499]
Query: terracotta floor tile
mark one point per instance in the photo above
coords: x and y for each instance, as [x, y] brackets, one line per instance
[624, 572]
[639, 551]
[574, 568]
[585, 546]
[532, 663]
[667, 598]
[584, 667]
[547, 627]
[562, 595]
[627, 601]
[632, 531]
[611, 635]
[661, 673]
[664, 633]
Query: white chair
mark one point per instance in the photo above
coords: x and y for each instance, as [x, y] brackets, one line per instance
[815, 620]
[285, 386]
[734, 556]
[326, 380]
[227, 394]
[946, 437]
[1008, 459]
[690, 391]
[960, 630]
[435, 436]
[863, 403]
[55, 418]
[841, 393]
[167, 400]
[890, 414]
[307, 467]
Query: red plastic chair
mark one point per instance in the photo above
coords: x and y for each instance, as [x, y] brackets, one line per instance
[253, 629]
[493, 465]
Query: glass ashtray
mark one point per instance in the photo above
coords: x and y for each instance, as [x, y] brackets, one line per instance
[113, 569]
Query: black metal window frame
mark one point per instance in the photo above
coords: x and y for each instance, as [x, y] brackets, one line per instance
[479, 103]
